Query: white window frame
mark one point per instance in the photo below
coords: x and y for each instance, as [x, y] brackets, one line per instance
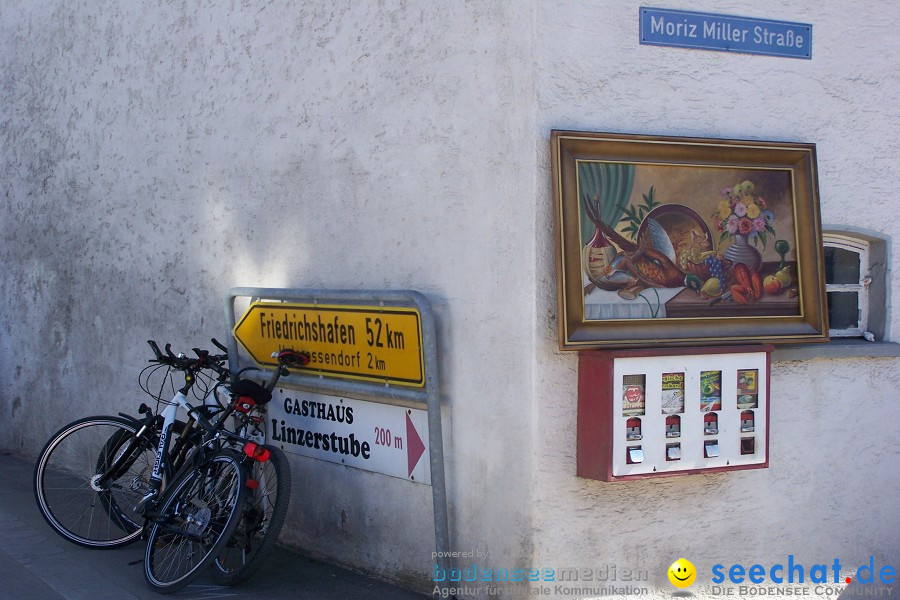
[861, 248]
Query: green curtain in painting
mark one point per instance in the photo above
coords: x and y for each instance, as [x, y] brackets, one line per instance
[608, 187]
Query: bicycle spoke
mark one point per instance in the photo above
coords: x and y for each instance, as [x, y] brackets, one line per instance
[93, 479]
[198, 512]
[67, 476]
[261, 523]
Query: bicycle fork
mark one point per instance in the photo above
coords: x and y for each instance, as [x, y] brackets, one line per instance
[118, 465]
[162, 450]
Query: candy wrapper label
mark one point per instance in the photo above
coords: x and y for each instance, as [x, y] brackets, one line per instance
[747, 384]
[672, 393]
[710, 390]
[633, 395]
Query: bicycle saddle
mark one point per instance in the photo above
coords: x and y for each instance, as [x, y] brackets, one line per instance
[248, 387]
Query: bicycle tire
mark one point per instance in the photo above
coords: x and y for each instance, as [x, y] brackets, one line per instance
[118, 442]
[198, 515]
[65, 489]
[261, 523]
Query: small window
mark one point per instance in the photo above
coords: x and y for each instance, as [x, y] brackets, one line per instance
[847, 281]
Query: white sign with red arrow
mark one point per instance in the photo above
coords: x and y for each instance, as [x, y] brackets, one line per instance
[387, 439]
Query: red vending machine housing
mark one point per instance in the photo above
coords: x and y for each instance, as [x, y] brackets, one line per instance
[672, 411]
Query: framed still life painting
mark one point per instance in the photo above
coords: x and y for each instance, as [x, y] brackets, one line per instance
[680, 241]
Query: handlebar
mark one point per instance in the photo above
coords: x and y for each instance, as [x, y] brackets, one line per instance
[204, 359]
[287, 358]
[219, 345]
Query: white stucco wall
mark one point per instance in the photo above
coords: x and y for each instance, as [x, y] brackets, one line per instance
[830, 491]
[151, 157]
[155, 155]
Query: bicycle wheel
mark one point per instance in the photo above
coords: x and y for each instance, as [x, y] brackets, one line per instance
[199, 514]
[69, 491]
[259, 527]
[114, 454]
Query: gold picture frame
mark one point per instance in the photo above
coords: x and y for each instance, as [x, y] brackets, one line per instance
[672, 241]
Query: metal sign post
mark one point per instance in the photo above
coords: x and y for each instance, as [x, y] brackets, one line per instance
[376, 345]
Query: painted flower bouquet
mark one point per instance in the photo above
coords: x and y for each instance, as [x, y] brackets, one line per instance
[742, 213]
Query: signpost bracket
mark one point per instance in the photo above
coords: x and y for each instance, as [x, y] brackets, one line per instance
[427, 397]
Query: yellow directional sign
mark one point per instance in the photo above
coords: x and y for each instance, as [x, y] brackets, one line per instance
[375, 343]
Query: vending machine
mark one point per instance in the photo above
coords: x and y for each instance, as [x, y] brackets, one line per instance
[675, 411]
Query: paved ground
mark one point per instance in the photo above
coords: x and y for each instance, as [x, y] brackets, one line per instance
[35, 563]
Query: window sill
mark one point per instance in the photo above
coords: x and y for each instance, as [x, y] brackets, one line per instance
[836, 348]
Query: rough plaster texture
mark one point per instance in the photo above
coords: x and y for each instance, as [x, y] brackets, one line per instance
[154, 155]
[831, 491]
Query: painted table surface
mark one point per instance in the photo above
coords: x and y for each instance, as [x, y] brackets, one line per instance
[685, 303]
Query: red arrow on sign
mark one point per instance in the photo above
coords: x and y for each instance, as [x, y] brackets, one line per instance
[414, 446]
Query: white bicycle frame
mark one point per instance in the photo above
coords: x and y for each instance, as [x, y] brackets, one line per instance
[168, 414]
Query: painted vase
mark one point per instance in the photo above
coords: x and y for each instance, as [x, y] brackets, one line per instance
[740, 251]
[597, 256]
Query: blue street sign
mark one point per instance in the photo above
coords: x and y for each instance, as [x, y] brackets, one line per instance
[706, 31]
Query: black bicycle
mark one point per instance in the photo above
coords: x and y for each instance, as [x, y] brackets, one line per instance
[111, 497]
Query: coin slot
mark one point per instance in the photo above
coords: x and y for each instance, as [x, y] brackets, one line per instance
[747, 421]
[633, 429]
[710, 424]
[673, 426]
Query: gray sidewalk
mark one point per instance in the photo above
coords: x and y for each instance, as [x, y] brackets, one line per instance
[35, 563]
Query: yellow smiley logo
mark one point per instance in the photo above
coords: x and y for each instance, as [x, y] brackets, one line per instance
[682, 573]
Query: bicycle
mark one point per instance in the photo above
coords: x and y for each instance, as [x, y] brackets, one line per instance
[135, 458]
[187, 521]
[74, 477]
[269, 496]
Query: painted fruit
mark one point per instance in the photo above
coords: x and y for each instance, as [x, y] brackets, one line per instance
[784, 276]
[772, 285]
[712, 287]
